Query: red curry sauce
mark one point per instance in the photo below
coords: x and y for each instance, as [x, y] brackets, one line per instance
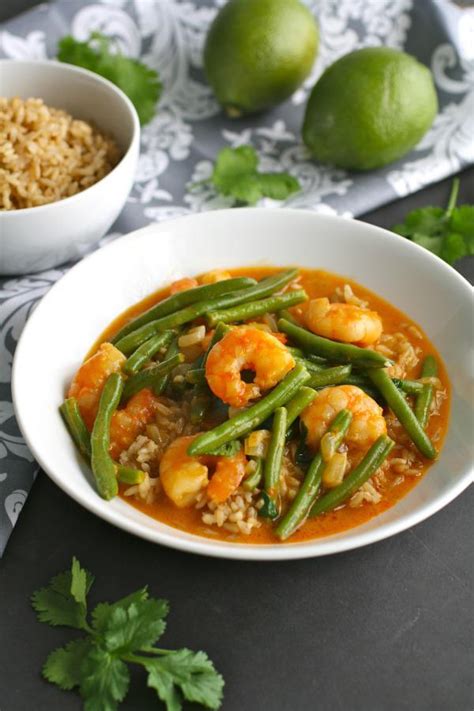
[317, 283]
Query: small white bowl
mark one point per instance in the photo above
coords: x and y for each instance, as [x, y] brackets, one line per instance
[37, 238]
[76, 310]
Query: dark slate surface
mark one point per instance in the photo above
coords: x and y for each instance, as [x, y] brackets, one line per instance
[384, 628]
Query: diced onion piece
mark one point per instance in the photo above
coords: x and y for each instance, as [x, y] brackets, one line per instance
[328, 446]
[195, 335]
[256, 444]
[250, 467]
[435, 382]
[333, 473]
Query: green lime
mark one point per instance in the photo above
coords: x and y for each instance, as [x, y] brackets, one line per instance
[258, 52]
[369, 108]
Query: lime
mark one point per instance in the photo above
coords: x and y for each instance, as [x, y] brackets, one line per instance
[369, 108]
[258, 52]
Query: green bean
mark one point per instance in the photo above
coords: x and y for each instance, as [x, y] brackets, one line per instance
[76, 426]
[201, 399]
[284, 313]
[310, 361]
[316, 360]
[410, 387]
[295, 352]
[330, 376]
[103, 466]
[128, 475]
[402, 410]
[257, 308]
[310, 366]
[146, 351]
[263, 288]
[357, 379]
[247, 420]
[332, 350]
[358, 476]
[178, 301]
[274, 458]
[308, 491]
[298, 403]
[160, 385]
[252, 481]
[150, 377]
[80, 434]
[429, 369]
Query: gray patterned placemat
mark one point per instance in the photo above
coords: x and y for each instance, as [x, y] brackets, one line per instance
[178, 146]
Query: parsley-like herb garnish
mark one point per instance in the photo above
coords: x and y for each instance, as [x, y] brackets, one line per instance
[118, 634]
[140, 83]
[235, 174]
[447, 233]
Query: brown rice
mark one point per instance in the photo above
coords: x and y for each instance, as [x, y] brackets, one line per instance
[47, 155]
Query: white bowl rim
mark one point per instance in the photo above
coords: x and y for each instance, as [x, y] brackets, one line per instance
[100, 80]
[201, 545]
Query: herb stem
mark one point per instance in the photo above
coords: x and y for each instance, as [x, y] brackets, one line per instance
[453, 197]
[141, 658]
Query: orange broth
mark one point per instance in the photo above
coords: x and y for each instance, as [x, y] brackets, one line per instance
[317, 283]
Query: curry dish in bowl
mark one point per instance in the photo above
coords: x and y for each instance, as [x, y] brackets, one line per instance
[260, 405]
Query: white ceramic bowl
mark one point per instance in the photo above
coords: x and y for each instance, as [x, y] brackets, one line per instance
[87, 299]
[41, 237]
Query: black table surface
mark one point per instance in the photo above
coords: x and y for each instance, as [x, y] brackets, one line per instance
[382, 628]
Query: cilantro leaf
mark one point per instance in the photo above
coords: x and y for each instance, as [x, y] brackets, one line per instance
[63, 602]
[79, 583]
[277, 185]
[462, 219]
[104, 680]
[102, 611]
[163, 682]
[192, 672]
[269, 508]
[233, 163]
[235, 174]
[423, 220]
[140, 83]
[433, 244]
[448, 233]
[122, 633]
[453, 248]
[63, 666]
[135, 627]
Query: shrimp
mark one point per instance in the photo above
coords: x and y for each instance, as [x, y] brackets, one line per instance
[367, 425]
[183, 285]
[184, 477]
[128, 422]
[89, 380]
[343, 322]
[246, 348]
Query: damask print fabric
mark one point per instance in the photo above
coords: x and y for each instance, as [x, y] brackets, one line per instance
[179, 145]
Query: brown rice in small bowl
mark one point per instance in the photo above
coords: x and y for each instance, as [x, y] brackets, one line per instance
[47, 155]
[67, 161]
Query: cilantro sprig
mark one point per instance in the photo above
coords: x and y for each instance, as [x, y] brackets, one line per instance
[140, 83]
[235, 174]
[118, 634]
[448, 233]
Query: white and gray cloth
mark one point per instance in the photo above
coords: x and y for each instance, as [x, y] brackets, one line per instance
[179, 145]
